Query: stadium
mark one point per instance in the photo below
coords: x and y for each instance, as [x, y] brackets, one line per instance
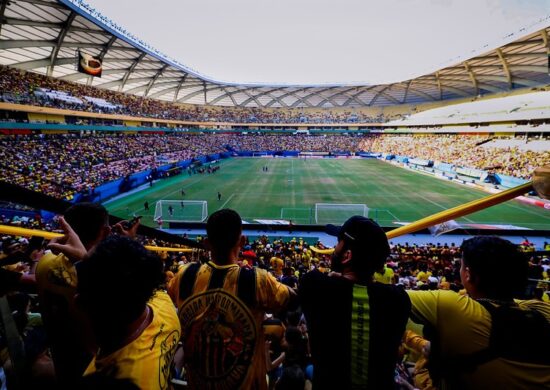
[92, 114]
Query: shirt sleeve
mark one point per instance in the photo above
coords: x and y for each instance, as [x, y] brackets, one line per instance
[273, 295]
[174, 287]
[424, 306]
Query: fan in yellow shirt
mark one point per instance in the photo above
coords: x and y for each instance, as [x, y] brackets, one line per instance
[487, 340]
[147, 359]
[221, 309]
[277, 264]
[423, 276]
[134, 323]
[384, 275]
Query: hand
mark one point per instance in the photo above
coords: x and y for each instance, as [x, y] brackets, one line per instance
[21, 267]
[131, 232]
[70, 244]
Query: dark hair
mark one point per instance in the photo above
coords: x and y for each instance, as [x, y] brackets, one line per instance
[224, 229]
[497, 266]
[118, 279]
[87, 219]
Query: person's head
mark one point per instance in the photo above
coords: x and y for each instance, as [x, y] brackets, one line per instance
[492, 267]
[362, 247]
[224, 228]
[116, 281]
[90, 221]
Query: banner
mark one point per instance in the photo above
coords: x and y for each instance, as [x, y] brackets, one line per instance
[443, 228]
[89, 64]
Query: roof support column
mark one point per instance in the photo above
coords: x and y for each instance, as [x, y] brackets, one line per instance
[130, 70]
[438, 80]
[2, 11]
[59, 43]
[505, 68]
[472, 77]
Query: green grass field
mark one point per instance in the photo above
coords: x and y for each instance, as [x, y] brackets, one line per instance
[293, 186]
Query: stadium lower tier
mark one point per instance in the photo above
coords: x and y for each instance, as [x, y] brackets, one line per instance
[70, 165]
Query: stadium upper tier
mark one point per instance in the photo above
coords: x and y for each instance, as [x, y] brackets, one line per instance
[63, 165]
[26, 88]
[43, 36]
[529, 106]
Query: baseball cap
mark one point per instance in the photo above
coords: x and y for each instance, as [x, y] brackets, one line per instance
[363, 232]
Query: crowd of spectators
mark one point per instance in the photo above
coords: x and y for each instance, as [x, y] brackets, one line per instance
[31, 88]
[432, 266]
[297, 143]
[62, 165]
[461, 151]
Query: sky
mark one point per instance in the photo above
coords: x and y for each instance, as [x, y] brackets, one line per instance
[323, 41]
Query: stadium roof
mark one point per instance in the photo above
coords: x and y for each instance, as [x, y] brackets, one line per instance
[43, 36]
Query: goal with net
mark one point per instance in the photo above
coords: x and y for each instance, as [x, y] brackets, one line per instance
[338, 213]
[181, 210]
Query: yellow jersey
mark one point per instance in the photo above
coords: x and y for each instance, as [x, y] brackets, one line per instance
[463, 327]
[221, 309]
[147, 360]
[385, 277]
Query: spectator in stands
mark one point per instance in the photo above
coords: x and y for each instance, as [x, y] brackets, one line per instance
[34, 367]
[211, 297]
[384, 275]
[336, 303]
[134, 322]
[486, 339]
[274, 332]
[69, 333]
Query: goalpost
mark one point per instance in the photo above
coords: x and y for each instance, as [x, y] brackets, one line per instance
[181, 210]
[338, 213]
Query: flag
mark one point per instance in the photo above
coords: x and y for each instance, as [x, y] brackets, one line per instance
[443, 228]
[89, 64]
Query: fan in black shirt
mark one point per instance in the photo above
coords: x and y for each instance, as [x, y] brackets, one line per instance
[348, 297]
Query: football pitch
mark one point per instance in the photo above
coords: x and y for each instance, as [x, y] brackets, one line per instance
[291, 187]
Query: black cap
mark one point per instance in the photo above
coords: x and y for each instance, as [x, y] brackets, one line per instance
[363, 232]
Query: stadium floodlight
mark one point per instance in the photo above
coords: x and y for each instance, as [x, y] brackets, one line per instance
[338, 213]
[181, 210]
